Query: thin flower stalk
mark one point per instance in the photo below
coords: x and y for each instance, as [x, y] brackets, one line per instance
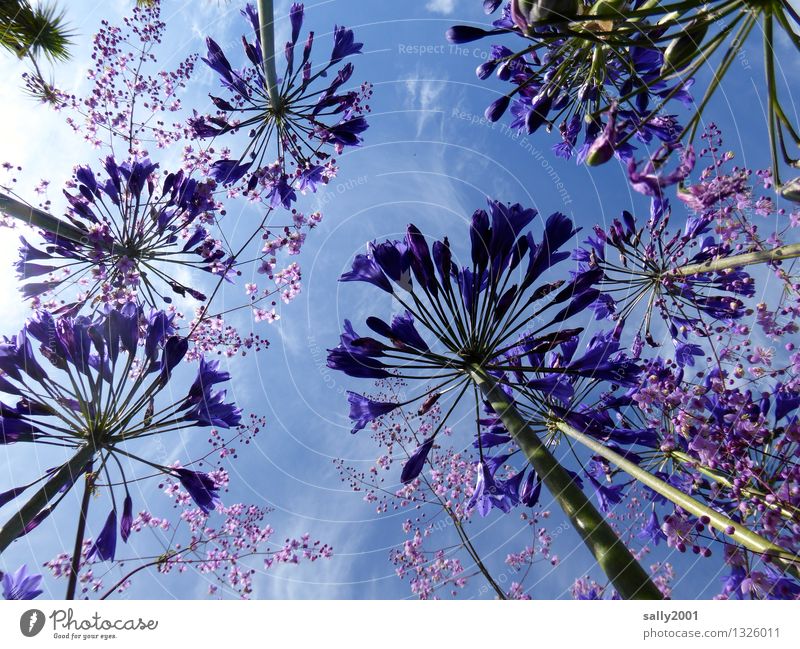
[739, 533]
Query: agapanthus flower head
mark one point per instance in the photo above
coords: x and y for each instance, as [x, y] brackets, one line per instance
[502, 311]
[720, 442]
[647, 264]
[99, 385]
[138, 229]
[582, 58]
[315, 113]
[582, 67]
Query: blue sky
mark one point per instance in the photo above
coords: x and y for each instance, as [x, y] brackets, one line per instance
[429, 158]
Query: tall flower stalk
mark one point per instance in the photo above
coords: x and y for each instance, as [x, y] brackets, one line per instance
[725, 525]
[266, 31]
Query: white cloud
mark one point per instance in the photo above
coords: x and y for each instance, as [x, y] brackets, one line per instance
[445, 7]
[423, 96]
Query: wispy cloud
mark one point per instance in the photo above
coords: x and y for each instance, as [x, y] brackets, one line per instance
[445, 7]
[424, 95]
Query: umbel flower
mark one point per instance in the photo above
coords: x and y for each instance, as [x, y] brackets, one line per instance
[101, 386]
[647, 265]
[727, 446]
[503, 325]
[309, 115]
[583, 69]
[128, 233]
[497, 314]
[585, 57]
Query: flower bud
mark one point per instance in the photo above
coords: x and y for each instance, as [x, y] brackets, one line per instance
[791, 190]
[497, 108]
[526, 13]
[459, 34]
[484, 70]
[685, 47]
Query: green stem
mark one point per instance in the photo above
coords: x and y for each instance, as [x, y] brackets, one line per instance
[718, 521]
[266, 20]
[769, 71]
[789, 251]
[39, 219]
[627, 576]
[75, 564]
[719, 478]
[66, 474]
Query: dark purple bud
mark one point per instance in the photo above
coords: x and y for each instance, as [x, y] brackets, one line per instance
[465, 34]
[356, 365]
[221, 103]
[416, 462]
[8, 496]
[174, 351]
[296, 18]
[537, 116]
[421, 261]
[127, 518]
[485, 69]
[497, 108]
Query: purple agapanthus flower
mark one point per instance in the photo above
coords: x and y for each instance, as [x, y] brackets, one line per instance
[126, 522]
[316, 113]
[21, 584]
[486, 493]
[531, 489]
[138, 229]
[607, 495]
[201, 487]
[416, 461]
[652, 530]
[105, 545]
[648, 269]
[497, 311]
[129, 358]
[364, 410]
[614, 88]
